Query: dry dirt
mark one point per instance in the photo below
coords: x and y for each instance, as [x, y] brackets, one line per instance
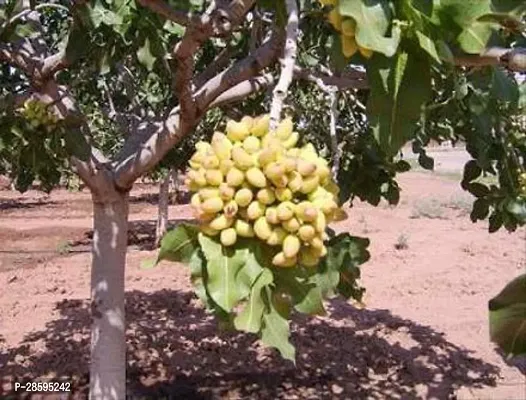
[424, 332]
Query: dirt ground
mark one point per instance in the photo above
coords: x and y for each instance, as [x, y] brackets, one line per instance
[424, 333]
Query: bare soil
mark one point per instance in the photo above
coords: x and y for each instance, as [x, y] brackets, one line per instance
[423, 334]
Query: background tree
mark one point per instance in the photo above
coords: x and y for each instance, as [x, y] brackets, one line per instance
[165, 66]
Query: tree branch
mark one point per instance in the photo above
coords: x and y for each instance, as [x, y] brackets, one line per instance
[241, 71]
[344, 82]
[333, 108]
[218, 20]
[167, 12]
[513, 59]
[287, 65]
[151, 141]
[243, 89]
[52, 64]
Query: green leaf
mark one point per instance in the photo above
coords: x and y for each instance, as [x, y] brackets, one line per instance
[145, 56]
[223, 265]
[444, 52]
[477, 189]
[425, 161]
[480, 210]
[249, 320]
[517, 207]
[306, 294]
[259, 256]
[173, 28]
[474, 38]
[495, 222]
[179, 244]
[197, 264]
[339, 270]
[507, 317]
[428, 45]
[504, 87]
[76, 35]
[471, 172]
[275, 332]
[373, 18]
[76, 143]
[399, 88]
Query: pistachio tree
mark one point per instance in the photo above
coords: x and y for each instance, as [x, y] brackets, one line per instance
[395, 60]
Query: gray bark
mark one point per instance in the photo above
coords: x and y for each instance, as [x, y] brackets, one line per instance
[162, 214]
[108, 340]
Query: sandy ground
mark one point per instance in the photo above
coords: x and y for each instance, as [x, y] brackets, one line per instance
[424, 332]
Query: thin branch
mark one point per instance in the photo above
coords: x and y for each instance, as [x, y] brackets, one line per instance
[52, 64]
[333, 108]
[514, 59]
[167, 12]
[287, 65]
[243, 90]
[218, 20]
[18, 58]
[243, 70]
[358, 81]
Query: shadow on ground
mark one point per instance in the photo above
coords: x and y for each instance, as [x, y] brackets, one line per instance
[23, 204]
[174, 351]
[141, 234]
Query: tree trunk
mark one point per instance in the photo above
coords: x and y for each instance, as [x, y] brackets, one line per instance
[162, 214]
[175, 180]
[108, 340]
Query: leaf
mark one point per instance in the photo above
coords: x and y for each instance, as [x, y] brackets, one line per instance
[173, 28]
[475, 38]
[179, 244]
[495, 222]
[223, 265]
[76, 143]
[249, 320]
[258, 257]
[517, 207]
[425, 161]
[399, 88]
[339, 270]
[428, 45]
[444, 52]
[480, 210]
[402, 166]
[145, 56]
[507, 317]
[76, 35]
[275, 332]
[477, 189]
[197, 264]
[471, 172]
[306, 295]
[504, 87]
[373, 18]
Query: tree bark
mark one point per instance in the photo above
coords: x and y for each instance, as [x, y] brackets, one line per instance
[108, 339]
[162, 213]
[333, 105]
